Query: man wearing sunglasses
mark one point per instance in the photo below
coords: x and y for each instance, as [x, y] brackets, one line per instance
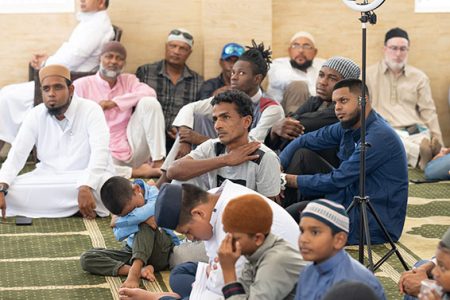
[230, 54]
[80, 53]
[293, 79]
[174, 82]
[402, 95]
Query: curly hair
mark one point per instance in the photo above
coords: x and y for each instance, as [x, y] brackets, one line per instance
[259, 57]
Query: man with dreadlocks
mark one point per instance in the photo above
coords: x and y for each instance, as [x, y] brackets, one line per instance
[195, 120]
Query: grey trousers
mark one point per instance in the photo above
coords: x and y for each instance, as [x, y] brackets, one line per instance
[153, 247]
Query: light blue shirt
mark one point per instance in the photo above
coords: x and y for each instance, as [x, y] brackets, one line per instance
[317, 279]
[128, 225]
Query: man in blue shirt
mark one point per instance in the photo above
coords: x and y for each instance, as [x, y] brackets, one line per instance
[386, 165]
[147, 248]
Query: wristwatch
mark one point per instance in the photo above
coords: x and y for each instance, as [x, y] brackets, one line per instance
[3, 189]
[283, 181]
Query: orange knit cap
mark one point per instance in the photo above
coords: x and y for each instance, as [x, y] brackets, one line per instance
[247, 214]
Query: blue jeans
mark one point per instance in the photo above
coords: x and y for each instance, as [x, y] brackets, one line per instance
[438, 168]
[181, 279]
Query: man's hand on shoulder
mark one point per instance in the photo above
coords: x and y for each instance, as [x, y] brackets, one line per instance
[242, 154]
[86, 202]
[187, 135]
[287, 128]
[37, 60]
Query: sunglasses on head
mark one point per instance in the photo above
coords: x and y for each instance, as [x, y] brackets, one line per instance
[185, 34]
[233, 49]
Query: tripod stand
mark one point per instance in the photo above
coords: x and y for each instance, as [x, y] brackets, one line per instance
[362, 200]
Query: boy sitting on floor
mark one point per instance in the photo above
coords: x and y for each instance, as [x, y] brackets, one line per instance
[273, 264]
[324, 228]
[147, 248]
[441, 272]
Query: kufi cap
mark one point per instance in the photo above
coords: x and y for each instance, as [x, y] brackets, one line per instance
[446, 239]
[114, 46]
[168, 206]
[344, 66]
[230, 50]
[328, 212]
[247, 214]
[396, 32]
[303, 34]
[54, 70]
[182, 35]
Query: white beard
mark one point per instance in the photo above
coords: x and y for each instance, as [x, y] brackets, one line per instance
[111, 74]
[395, 66]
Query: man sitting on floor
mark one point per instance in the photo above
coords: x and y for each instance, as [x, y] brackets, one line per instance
[386, 167]
[234, 155]
[194, 121]
[80, 53]
[71, 137]
[136, 136]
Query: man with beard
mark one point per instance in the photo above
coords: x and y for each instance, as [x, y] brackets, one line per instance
[402, 95]
[293, 79]
[386, 166]
[71, 137]
[136, 136]
[80, 53]
[317, 111]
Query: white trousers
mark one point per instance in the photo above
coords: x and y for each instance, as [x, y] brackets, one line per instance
[146, 136]
[16, 100]
[412, 145]
[48, 194]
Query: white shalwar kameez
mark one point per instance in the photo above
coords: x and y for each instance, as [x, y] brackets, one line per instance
[72, 153]
[80, 53]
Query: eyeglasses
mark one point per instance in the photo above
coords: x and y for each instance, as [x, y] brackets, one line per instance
[300, 46]
[396, 48]
[233, 49]
[179, 32]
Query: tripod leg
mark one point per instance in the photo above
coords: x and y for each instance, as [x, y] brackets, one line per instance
[391, 242]
[366, 234]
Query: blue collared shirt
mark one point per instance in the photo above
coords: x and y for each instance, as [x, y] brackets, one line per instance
[128, 225]
[386, 173]
[316, 279]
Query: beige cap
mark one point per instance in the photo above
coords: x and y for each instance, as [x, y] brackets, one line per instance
[54, 70]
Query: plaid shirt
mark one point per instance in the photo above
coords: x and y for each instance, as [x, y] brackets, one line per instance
[172, 97]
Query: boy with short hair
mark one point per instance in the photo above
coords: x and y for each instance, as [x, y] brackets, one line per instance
[324, 228]
[441, 272]
[273, 264]
[147, 249]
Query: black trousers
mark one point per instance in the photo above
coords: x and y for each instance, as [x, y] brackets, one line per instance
[308, 162]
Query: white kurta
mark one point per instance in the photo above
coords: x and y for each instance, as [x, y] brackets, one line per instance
[78, 155]
[80, 53]
[281, 74]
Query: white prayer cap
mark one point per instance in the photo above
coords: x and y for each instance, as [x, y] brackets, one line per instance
[303, 34]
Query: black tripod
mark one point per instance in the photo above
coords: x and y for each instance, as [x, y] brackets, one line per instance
[363, 200]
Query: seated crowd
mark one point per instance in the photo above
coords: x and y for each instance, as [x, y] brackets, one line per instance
[242, 172]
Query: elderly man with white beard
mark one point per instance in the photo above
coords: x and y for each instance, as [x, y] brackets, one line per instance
[137, 141]
[401, 93]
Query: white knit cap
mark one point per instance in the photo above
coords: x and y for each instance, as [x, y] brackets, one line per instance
[344, 66]
[303, 34]
[328, 212]
[182, 35]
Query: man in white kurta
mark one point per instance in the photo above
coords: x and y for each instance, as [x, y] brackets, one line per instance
[72, 146]
[301, 66]
[80, 53]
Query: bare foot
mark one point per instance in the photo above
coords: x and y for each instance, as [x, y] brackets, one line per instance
[131, 281]
[147, 272]
[145, 171]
